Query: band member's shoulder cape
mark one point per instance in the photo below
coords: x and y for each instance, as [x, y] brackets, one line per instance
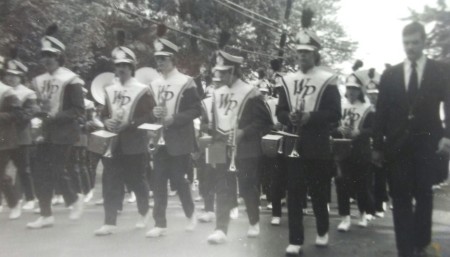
[169, 90]
[354, 115]
[122, 99]
[5, 91]
[271, 104]
[309, 87]
[207, 107]
[51, 87]
[229, 103]
[24, 93]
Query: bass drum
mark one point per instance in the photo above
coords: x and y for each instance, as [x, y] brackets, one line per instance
[146, 75]
[99, 84]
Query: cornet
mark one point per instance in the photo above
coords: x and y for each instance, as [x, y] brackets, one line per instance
[299, 107]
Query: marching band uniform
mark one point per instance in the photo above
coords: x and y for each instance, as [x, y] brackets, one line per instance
[130, 104]
[60, 97]
[355, 177]
[317, 91]
[238, 107]
[21, 155]
[11, 114]
[178, 93]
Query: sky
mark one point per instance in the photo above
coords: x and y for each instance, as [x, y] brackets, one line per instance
[377, 27]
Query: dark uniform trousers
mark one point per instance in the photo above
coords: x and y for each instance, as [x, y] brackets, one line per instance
[355, 180]
[414, 165]
[380, 194]
[121, 170]
[78, 169]
[206, 175]
[174, 168]
[248, 177]
[6, 185]
[21, 158]
[50, 171]
[278, 184]
[314, 174]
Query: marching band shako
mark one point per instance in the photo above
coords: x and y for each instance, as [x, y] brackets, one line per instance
[170, 90]
[229, 103]
[309, 86]
[50, 88]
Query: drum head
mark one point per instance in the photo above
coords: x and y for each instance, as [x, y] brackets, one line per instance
[146, 75]
[99, 84]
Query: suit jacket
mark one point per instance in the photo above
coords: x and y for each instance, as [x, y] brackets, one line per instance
[398, 122]
[11, 113]
[315, 134]
[180, 135]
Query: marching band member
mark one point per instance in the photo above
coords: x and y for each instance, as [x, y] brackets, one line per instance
[242, 118]
[310, 102]
[14, 75]
[178, 105]
[354, 180]
[60, 97]
[11, 115]
[128, 105]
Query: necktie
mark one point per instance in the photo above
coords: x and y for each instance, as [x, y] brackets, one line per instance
[413, 85]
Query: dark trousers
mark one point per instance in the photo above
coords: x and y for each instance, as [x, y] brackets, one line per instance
[379, 186]
[206, 180]
[278, 186]
[411, 175]
[50, 167]
[21, 159]
[248, 177]
[174, 168]
[121, 170]
[268, 164]
[316, 176]
[77, 167]
[6, 182]
[355, 180]
[93, 160]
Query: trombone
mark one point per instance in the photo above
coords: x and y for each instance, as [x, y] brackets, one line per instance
[299, 107]
[232, 141]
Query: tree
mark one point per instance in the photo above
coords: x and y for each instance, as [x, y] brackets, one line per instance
[88, 29]
[438, 21]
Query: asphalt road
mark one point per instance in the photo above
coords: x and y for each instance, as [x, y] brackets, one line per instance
[75, 238]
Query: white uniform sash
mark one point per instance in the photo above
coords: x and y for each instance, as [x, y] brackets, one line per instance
[50, 88]
[272, 105]
[229, 104]
[169, 90]
[309, 87]
[24, 93]
[354, 115]
[5, 91]
[207, 107]
[122, 99]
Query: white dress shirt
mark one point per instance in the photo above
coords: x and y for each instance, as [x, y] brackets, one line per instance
[408, 69]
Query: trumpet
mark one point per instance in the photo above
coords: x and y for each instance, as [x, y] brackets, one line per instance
[162, 103]
[281, 144]
[232, 140]
[299, 107]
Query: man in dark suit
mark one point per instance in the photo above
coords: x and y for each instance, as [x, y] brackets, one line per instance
[178, 105]
[410, 139]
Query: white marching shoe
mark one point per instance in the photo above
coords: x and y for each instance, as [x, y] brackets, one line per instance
[143, 220]
[217, 237]
[192, 224]
[16, 211]
[364, 221]
[322, 241]
[253, 230]
[132, 198]
[207, 217]
[88, 196]
[156, 232]
[105, 230]
[234, 213]
[77, 208]
[42, 222]
[293, 249]
[345, 224]
[29, 205]
[276, 221]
